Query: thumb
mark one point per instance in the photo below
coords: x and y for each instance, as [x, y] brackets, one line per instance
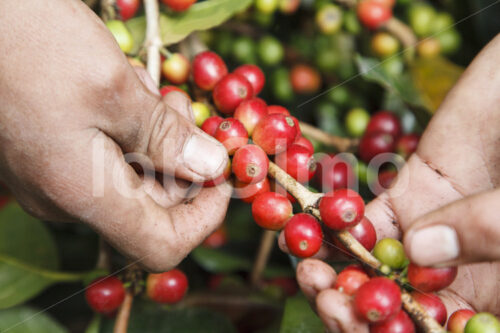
[461, 232]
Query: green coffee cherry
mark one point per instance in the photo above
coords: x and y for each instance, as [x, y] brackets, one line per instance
[244, 50]
[329, 19]
[201, 112]
[121, 34]
[450, 41]
[393, 66]
[483, 323]
[339, 96]
[351, 22]
[390, 252]
[281, 86]
[421, 17]
[442, 21]
[266, 6]
[327, 60]
[356, 121]
[270, 50]
[384, 44]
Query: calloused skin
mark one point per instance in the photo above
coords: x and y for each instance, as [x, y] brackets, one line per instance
[452, 180]
[71, 107]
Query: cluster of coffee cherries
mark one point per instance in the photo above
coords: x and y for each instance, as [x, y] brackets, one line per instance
[106, 294]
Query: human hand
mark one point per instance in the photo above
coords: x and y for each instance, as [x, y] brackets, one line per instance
[74, 112]
[450, 183]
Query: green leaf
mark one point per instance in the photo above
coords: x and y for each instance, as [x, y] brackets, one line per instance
[299, 317]
[401, 86]
[28, 257]
[148, 317]
[27, 320]
[201, 16]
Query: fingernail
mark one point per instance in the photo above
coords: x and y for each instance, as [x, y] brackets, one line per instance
[204, 155]
[433, 245]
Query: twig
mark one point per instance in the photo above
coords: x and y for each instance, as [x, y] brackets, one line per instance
[265, 248]
[153, 41]
[121, 322]
[309, 203]
[339, 143]
[404, 34]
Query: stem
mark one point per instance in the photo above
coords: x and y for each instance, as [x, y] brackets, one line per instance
[121, 322]
[108, 10]
[340, 143]
[404, 34]
[265, 248]
[153, 41]
[309, 203]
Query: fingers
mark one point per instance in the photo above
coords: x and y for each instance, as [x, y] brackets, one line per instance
[313, 276]
[180, 103]
[464, 231]
[337, 312]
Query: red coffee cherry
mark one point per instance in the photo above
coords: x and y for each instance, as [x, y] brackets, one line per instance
[349, 281]
[458, 320]
[167, 89]
[250, 164]
[354, 267]
[385, 179]
[374, 143]
[274, 133]
[221, 179]
[211, 124]
[341, 209]
[216, 239]
[168, 287]
[271, 210]
[208, 69]
[305, 143]
[297, 126]
[372, 13]
[105, 294]
[365, 233]
[248, 192]
[303, 235]
[127, 8]
[271, 109]
[232, 134]
[254, 75]
[176, 68]
[250, 113]
[230, 91]
[407, 145]
[305, 79]
[276, 187]
[334, 173]
[429, 279]
[178, 5]
[385, 122]
[432, 305]
[378, 300]
[400, 323]
[298, 162]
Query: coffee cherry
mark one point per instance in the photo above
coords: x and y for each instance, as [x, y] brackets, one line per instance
[356, 121]
[289, 6]
[208, 69]
[243, 50]
[176, 68]
[248, 192]
[211, 124]
[167, 89]
[127, 8]
[201, 113]
[385, 122]
[266, 6]
[421, 17]
[281, 86]
[429, 47]
[232, 134]
[390, 252]
[274, 133]
[407, 144]
[250, 113]
[278, 109]
[298, 162]
[378, 300]
[384, 44]
[254, 75]
[372, 13]
[250, 164]
[483, 323]
[216, 239]
[303, 235]
[449, 40]
[341, 209]
[365, 233]
[178, 5]
[458, 320]
[349, 281]
[105, 295]
[168, 287]
[329, 19]
[271, 210]
[354, 267]
[276, 187]
[432, 305]
[221, 179]
[400, 323]
[305, 79]
[387, 3]
[301, 141]
[385, 179]
[334, 173]
[429, 279]
[270, 50]
[122, 35]
[374, 143]
[230, 91]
